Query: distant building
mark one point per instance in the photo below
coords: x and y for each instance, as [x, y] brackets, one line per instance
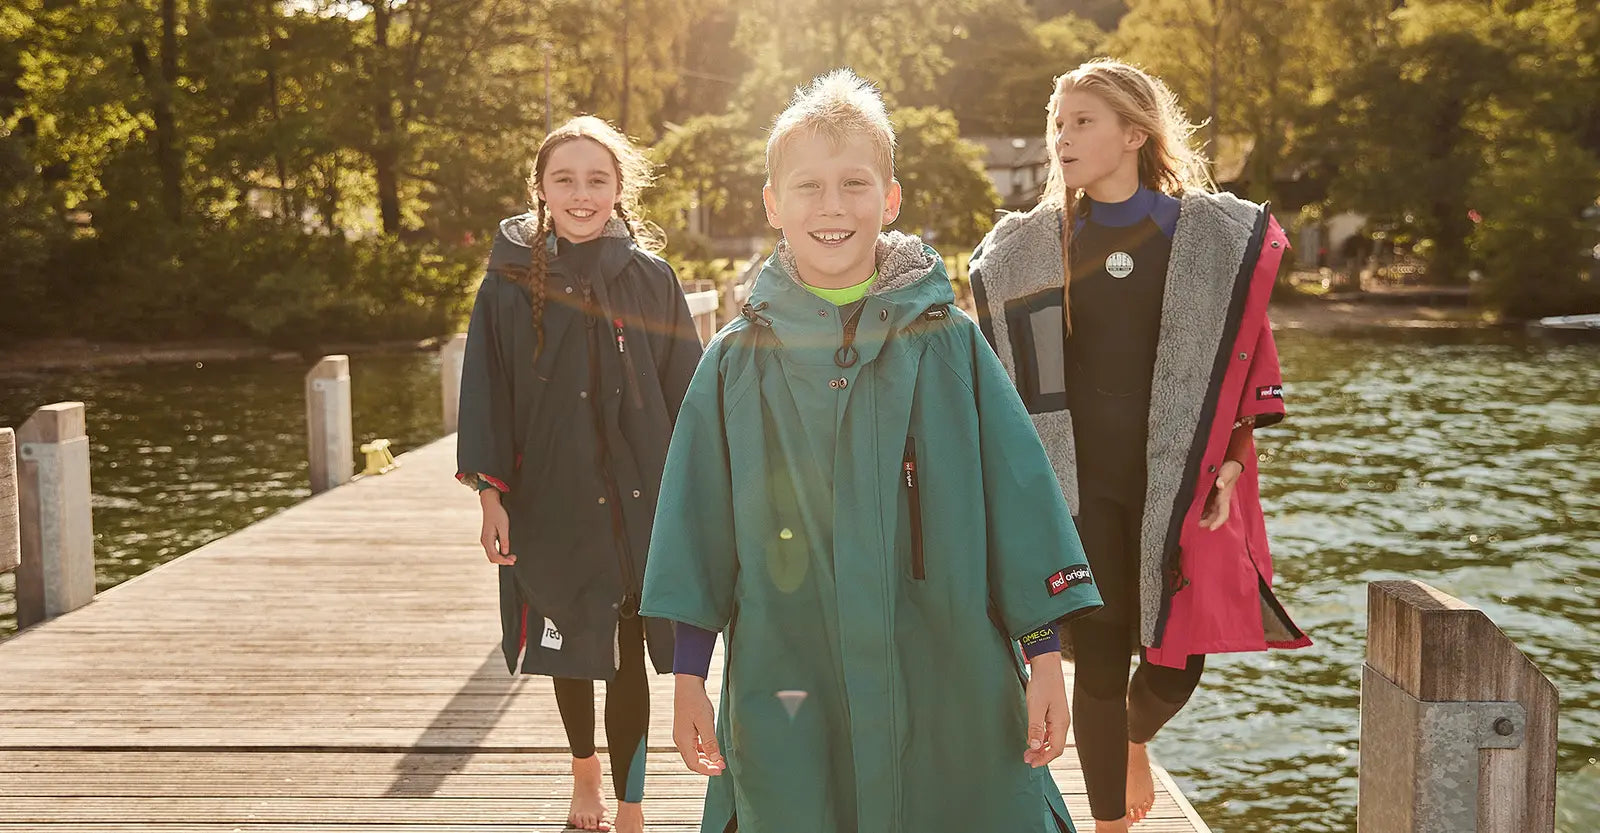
[1018, 166]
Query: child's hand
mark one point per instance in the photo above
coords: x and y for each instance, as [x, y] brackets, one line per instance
[496, 534]
[1047, 711]
[1216, 511]
[694, 726]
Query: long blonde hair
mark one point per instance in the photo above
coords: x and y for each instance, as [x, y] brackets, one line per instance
[1167, 162]
[634, 171]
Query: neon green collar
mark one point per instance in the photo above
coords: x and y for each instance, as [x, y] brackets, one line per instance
[847, 295]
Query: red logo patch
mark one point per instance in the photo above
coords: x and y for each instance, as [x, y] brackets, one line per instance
[1071, 577]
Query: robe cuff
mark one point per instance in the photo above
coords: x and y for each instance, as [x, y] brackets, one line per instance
[691, 649]
[478, 482]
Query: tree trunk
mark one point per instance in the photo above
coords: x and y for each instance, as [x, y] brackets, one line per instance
[627, 68]
[159, 84]
[328, 194]
[386, 147]
[286, 206]
[1447, 221]
[1216, 48]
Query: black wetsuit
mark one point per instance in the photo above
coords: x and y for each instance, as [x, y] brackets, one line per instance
[1119, 257]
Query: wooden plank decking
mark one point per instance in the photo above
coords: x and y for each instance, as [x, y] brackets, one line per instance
[334, 667]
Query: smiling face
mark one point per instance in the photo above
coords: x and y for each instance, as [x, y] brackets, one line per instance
[579, 185]
[831, 202]
[1097, 150]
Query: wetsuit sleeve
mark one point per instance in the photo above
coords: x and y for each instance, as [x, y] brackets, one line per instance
[1037, 569]
[1042, 641]
[673, 340]
[1263, 387]
[485, 442]
[691, 649]
[690, 574]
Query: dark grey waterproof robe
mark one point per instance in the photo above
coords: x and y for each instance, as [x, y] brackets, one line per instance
[582, 494]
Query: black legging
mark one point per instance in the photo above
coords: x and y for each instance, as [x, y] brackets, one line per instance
[627, 713]
[1108, 712]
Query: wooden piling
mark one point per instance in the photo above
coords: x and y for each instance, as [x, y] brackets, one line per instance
[10, 535]
[451, 356]
[330, 437]
[1458, 728]
[55, 573]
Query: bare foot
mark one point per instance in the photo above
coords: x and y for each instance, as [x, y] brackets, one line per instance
[1118, 826]
[630, 818]
[1141, 784]
[588, 810]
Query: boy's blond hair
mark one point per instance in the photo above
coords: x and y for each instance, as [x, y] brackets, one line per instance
[838, 106]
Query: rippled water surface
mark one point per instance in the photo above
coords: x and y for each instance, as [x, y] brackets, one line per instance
[1467, 460]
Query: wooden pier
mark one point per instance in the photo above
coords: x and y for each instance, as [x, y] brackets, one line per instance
[335, 667]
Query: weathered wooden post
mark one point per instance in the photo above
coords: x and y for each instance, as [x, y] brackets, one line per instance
[1458, 728]
[451, 355]
[330, 437]
[703, 306]
[10, 535]
[56, 532]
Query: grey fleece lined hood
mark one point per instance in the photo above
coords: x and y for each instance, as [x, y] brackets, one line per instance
[900, 258]
[522, 228]
[911, 278]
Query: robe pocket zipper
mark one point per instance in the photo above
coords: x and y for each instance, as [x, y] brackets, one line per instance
[908, 469]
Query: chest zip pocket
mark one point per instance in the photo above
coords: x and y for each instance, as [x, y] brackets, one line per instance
[908, 468]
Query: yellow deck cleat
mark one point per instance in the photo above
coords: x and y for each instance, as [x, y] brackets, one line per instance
[379, 460]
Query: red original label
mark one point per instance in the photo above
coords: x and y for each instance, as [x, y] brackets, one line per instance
[1071, 577]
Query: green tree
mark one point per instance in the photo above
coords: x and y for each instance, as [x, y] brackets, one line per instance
[1540, 168]
[1104, 14]
[948, 198]
[904, 46]
[1409, 114]
[1424, 120]
[715, 164]
[1534, 242]
[1252, 73]
[1008, 66]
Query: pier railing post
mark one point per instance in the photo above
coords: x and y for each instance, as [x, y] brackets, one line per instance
[703, 306]
[330, 437]
[10, 535]
[451, 355]
[55, 530]
[1458, 728]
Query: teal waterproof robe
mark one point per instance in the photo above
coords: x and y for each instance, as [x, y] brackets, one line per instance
[865, 511]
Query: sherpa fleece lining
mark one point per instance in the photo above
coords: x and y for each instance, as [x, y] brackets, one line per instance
[520, 229]
[902, 260]
[1022, 256]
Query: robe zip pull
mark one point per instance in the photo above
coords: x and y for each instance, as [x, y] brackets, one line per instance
[908, 467]
[847, 354]
[588, 304]
[596, 310]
